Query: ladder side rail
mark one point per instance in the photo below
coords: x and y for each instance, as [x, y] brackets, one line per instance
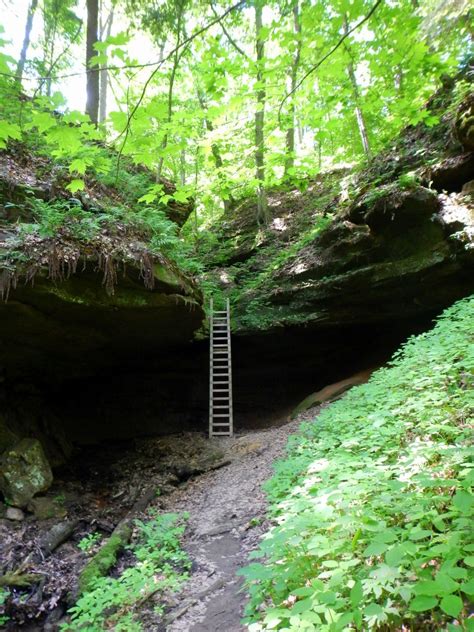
[211, 351]
[231, 415]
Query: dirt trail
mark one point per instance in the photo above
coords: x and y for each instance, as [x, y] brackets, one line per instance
[227, 509]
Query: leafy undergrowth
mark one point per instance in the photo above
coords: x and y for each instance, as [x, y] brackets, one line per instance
[373, 507]
[161, 566]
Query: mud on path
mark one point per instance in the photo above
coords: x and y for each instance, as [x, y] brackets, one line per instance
[218, 483]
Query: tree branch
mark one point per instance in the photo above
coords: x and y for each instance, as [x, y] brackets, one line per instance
[333, 50]
[228, 35]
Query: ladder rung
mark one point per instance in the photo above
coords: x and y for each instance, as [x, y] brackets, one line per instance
[220, 390]
[220, 434]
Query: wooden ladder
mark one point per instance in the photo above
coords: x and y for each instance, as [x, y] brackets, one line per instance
[221, 421]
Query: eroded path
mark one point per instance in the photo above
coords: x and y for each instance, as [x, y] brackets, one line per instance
[227, 508]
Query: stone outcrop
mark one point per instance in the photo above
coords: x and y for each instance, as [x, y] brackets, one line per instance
[395, 253]
[72, 326]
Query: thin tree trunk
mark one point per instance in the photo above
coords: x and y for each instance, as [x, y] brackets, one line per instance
[356, 95]
[262, 202]
[176, 59]
[105, 31]
[358, 111]
[164, 144]
[290, 132]
[399, 79]
[227, 201]
[182, 167]
[26, 41]
[92, 103]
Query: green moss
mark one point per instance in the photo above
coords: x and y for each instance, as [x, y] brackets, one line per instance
[104, 559]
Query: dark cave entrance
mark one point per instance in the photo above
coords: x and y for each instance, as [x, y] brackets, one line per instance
[167, 392]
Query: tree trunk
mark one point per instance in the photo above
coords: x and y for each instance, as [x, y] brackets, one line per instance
[164, 144]
[262, 202]
[105, 31]
[290, 132]
[176, 60]
[92, 103]
[227, 201]
[26, 41]
[356, 95]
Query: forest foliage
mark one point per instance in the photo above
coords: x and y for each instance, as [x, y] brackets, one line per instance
[373, 506]
[237, 98]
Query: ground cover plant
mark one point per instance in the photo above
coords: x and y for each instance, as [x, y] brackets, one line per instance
[373, 506]
[159, 566]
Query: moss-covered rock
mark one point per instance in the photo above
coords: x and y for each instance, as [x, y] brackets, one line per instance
[24, 472]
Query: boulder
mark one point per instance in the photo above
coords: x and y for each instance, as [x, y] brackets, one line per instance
[24, 472]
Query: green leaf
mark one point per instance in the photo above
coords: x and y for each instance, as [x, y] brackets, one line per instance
[468, 587]
[9, 130]
[78, 165]
[441, 585]
[76, 185]
[423, 603]
[375, 548]
[181, 196]
[357, 594]
[148, 198]
[373, 610]
[419, 534]
[302, 606]
[469, 560]
[452, 605]
[464, 501]
[395, 555]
